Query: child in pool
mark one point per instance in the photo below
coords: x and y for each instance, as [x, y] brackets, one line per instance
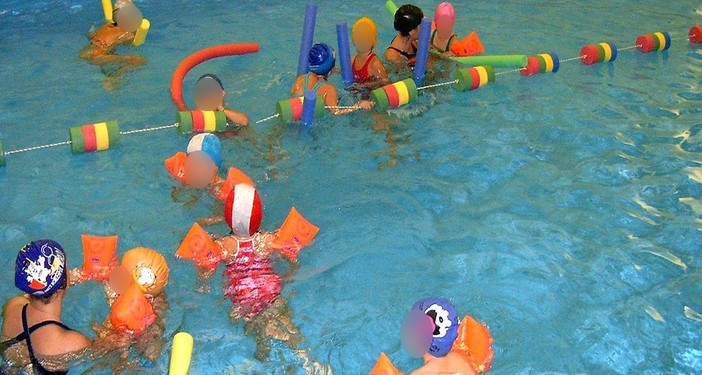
[250, 280]
[210, 95]
[321, 62]
[440, 359]
[443, 37]
[149, 270]
[367, 68]
[103, 42]
[403, 47]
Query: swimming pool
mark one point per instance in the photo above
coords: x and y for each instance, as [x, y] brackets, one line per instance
[563, 210]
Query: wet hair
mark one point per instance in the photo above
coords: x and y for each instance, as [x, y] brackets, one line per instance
[407, 18]
[48, 299]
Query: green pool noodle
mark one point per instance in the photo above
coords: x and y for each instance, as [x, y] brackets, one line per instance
[380, 99]
[496, 61]
[391, 7]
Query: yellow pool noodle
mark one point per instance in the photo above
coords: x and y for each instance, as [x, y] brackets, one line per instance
[181, 354]
[107, 8]
[140, 36]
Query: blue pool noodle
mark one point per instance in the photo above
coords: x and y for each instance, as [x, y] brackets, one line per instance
[307, 35]
[308, 107]
[420, 65]
[342, 38]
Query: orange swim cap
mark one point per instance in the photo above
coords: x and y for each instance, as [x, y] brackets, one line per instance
[148, 267]
[365, 24]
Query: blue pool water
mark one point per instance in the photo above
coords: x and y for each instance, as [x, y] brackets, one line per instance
[563, 210]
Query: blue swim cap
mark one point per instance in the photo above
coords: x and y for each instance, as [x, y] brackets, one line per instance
[321, 59]
[209, 144]
[40, 269]
[445, 318]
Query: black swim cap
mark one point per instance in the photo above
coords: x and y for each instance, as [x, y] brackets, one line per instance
[210, 76]
[407, 18]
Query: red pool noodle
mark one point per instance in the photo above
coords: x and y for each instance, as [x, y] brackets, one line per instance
[202, 56]
[198, 121]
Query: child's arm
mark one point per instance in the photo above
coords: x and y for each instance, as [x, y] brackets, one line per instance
[236, 117]
[297, 89]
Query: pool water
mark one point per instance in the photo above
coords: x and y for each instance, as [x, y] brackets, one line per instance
[563, 210]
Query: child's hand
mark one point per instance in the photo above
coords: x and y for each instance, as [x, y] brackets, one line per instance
[221, 106]
[365, 105]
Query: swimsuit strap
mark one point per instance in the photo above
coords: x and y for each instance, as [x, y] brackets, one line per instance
[448, 43]
[368, 62]
[36, 366]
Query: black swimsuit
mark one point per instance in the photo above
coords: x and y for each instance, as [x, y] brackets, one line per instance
[25, 336]
[407, 55]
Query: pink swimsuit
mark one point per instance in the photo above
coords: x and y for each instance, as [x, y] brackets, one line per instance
[251, 283]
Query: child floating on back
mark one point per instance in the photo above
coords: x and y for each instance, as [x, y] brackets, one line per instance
[367, 68]
[321, 62]
[210, 95]
[126, 20]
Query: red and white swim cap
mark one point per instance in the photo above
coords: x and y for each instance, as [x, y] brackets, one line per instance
[243, 210]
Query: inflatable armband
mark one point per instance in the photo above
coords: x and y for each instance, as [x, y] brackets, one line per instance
[198, 246]
[234, 177]
[384, 367]
[474, 344]
[132, 311]
[148, 267]
[295, 233]
[176, 166]
[99, 256]
[468, 46]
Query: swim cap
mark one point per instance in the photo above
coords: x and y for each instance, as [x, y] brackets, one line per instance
[445, 320]
[127, 15]
[366, 24]
[209, 78]
[148, 268]
[407, 18]
[321, 59]
[445, 9]
[243, 210]
[40, 269]
[209, 144]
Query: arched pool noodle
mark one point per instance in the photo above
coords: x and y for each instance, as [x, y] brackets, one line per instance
[391, 7]
[496, 61]
[202, 56]
[420, 65]
[342, 38]
[307, 35]
[308, 108]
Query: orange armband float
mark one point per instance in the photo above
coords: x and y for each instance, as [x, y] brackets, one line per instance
[295, 233]
[176, 166]
[234, 177]
[468, 46]
[99, 256]
[132, 312]
[474, 344]
[384, 367]
[198, 246]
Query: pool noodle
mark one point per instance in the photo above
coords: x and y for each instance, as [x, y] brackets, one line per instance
[391, 7]
[342, 38]
[141, 32]
[420, 64]
[496, 61]
[308, 108]
[107, 9]
[181, 354]
[307, 35]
